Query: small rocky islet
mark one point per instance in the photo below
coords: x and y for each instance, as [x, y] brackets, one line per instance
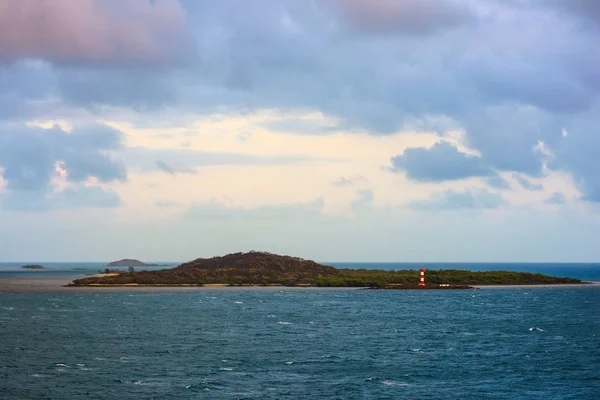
[132, 262]
[33, 266]
[256, 268]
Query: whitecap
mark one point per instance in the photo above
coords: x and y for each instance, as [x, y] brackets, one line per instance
[135, 382]
[225, 369]
[62, 365]
[415, 350]
[270, 316]
[238, 302]
[284, 323]
[392, 383]
[289, 362]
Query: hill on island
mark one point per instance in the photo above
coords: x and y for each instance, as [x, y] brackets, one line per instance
[257, 268]
[130, 262]
[262, 268]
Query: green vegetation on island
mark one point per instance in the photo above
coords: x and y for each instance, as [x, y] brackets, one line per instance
[33, 266]
[261, 268]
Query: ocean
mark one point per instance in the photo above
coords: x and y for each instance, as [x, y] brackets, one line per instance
[301, 343]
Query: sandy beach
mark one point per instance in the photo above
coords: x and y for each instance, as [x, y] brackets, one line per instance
[56, 284]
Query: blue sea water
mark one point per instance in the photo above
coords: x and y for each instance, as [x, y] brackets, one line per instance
[57, 269]
[292, 343]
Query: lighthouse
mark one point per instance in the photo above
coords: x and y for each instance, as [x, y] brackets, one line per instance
[422, 283]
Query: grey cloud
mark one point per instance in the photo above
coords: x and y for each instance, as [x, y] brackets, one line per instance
[453, 200]
[28, 89]
[29, 155]
[137, 90]
[403, 16]
[484, 78]
[135, 32]
[588, 10]
[172, 171]
[506, 138]
[441, 162]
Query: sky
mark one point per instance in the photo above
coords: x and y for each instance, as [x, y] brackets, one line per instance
[334, 130]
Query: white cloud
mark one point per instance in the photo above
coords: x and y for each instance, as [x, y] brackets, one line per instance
[3, 182]
[59, 181]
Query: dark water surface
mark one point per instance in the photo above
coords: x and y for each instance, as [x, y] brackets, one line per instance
[271, 343]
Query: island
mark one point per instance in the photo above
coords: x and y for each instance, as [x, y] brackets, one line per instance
[131, 262]
[33, 266]
[256, 268]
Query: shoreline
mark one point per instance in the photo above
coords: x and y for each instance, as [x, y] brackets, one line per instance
[41, 284]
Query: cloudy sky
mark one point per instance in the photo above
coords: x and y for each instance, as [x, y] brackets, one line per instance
[337, 130]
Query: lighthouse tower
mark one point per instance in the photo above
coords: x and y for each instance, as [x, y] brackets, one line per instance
[422, 283]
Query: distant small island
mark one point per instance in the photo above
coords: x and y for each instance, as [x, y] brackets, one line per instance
[33, 266]
[266, 269]
[130, 262]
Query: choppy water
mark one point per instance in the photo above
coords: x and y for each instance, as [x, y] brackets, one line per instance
[268, 343]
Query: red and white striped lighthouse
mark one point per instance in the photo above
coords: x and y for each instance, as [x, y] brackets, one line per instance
[422, 283]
